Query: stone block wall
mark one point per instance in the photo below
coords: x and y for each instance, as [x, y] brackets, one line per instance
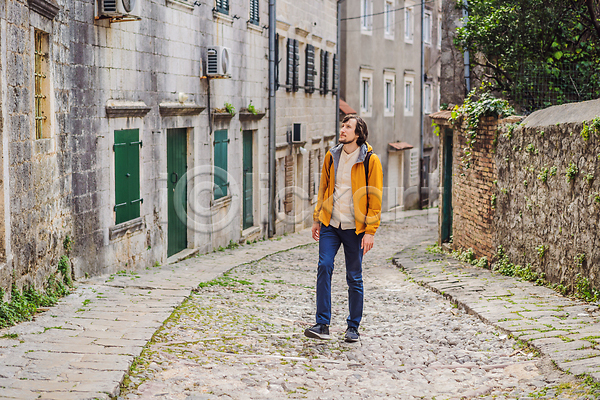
[534, 189]
[472, 190]
[548, 207]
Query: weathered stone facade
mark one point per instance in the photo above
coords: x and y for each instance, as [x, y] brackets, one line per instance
[533, 189]
[107, 76]
[312, 25]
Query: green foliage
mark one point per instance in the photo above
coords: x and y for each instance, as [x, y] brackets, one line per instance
[224, 281]
[584, 289]
[469, 257]
[23, 305]
[494, 200]
[64, 266]
[434, 249]
[251, 108]
[230, 109]
[571, 172]
[436, 128]
[510, 128]
[541, 250]
[553, 171]
[473, 109]
[531, 149]
[68, 244]
[593, 127]
[554, 41]
[589, 178]
[543, 175]
[579, 260]
[505, 267]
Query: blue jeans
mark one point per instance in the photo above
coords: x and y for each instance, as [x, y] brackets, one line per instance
[329, 243]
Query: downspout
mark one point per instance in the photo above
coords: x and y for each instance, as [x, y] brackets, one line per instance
[272, 126]
[339, 71]
[421, 113]
[467, 60]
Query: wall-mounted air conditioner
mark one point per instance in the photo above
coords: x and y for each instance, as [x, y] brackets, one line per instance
[217, 62]
[119, 8]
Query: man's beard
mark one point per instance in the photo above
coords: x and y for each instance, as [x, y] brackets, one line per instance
[346, 141]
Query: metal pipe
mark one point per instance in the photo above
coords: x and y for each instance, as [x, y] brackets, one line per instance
[467, 60]
[339, 69]
[272, 126]
[422, 114]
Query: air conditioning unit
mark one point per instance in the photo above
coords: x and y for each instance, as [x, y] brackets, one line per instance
[217, 62]
[119, 8]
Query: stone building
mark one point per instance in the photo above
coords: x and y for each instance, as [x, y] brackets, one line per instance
[381, 79]
[111, 131]
[306, 110]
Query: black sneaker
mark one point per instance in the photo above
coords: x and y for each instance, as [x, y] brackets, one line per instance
[351, 335]
[319, 331]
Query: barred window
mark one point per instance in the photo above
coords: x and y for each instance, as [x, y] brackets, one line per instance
[42, 85]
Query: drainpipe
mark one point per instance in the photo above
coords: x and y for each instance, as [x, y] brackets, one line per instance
[339, 70]
[272, 106]
[422, 127]
[467, 61]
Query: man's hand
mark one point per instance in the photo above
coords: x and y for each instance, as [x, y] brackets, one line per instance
[367, 242]
[316, 230]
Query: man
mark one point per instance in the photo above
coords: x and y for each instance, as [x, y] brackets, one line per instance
[347, 212]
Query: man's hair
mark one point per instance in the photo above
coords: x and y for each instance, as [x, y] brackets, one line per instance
[361, 128]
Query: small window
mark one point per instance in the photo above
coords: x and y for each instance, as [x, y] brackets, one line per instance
[409, 84]
[408, 24]
[127, 175]
[427, 27]
[427, 100]
[310, 70]
[42, 85]
[366, 14]
[389, 19]
[254, 17]
[222, 6]
[365, 100]
[388, 95]
[221, 182]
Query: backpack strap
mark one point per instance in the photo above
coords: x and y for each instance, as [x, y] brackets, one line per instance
[366, 164]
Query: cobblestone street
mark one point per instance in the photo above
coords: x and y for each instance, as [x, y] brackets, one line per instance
[240, 336]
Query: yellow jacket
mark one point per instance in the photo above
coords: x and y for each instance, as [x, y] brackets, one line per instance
[367, 220]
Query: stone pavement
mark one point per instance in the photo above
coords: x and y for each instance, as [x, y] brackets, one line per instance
[565, 329]
[82, 348]
[241, 337]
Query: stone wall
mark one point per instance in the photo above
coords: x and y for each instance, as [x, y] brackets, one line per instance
[472, 190]
[534, 189]
[539, 207]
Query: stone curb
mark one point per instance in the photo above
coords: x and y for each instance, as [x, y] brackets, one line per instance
[564, 329]
[83, 347]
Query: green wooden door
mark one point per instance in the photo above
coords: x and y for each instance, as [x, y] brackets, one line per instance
[247, 179]
[447, 194]
[177, 190]
[127, 175]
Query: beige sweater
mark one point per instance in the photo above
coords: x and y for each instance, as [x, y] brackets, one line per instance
[342, 215]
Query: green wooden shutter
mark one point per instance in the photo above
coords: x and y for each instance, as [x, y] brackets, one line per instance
[222, 6]
[127, 175]
[220, 163]
[254, 16]
[309, 79]
[289, 76]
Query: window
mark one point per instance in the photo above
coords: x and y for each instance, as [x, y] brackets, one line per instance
[388, 94]
[222, 6]
[293, 62]
[408, 24]
[427, 27]
[254, 18]
[42, 85]
[127, 175]
[389, 19]
[439, 32]
[427, 98]
[409, 89]
[366, 92]
[324, 85]
[366, 16]
[310, 70]
[220, 164]
[414, 167]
